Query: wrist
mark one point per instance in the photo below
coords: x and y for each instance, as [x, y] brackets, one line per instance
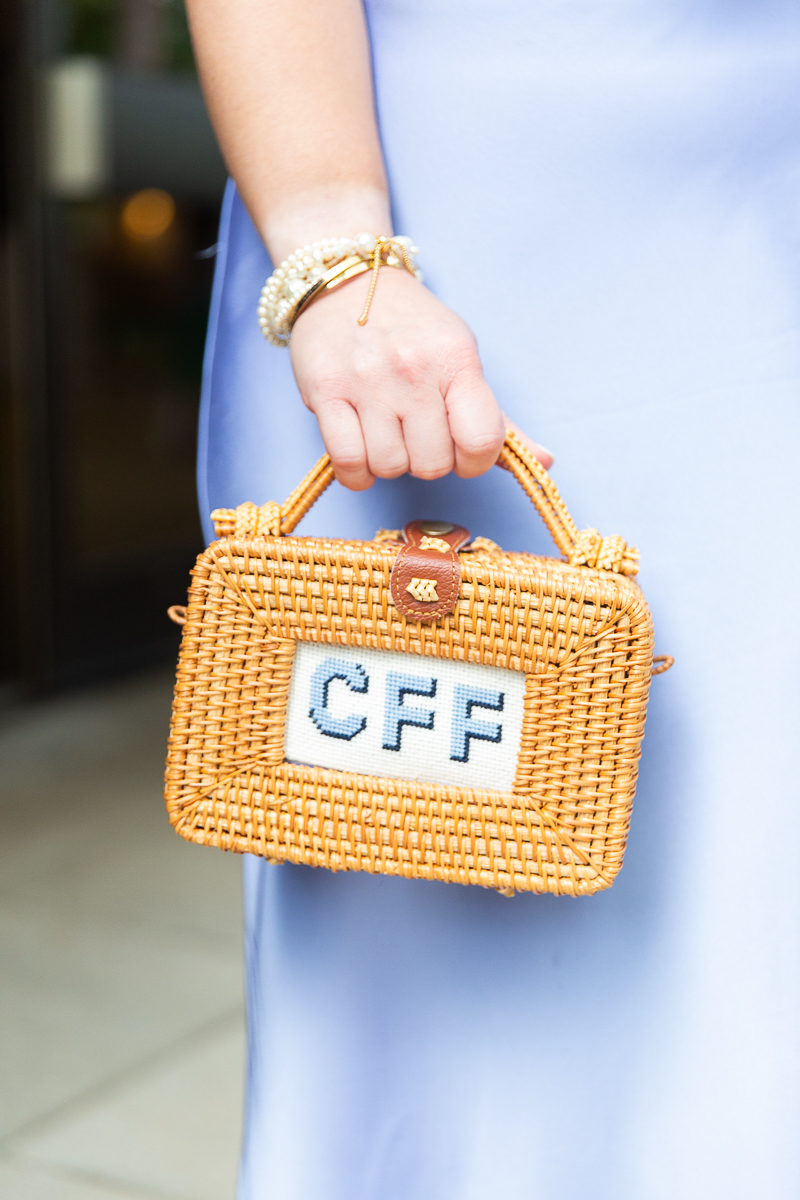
[323, 266]
[334, 211]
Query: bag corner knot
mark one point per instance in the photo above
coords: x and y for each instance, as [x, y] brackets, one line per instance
[606, 553]
[248, 520]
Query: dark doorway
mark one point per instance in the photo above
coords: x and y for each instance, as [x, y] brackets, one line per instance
[111, 191]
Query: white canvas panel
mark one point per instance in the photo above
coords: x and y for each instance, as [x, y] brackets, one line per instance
[405, 716]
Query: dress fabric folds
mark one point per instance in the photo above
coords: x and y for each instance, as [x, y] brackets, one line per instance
[609, 194]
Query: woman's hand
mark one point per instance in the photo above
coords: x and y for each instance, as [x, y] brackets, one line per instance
[405, 392]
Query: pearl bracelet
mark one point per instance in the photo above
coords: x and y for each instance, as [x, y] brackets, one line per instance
[321, 267]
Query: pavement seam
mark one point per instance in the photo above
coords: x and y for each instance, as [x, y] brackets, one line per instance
[105, 1089]
[97, 1178]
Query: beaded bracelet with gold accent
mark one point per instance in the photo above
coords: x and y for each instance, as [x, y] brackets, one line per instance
[321, 267]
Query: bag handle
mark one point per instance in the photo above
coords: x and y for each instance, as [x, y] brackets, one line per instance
[581, 548]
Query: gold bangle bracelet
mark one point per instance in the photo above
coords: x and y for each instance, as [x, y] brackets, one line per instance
[321, 267]
[341, 273]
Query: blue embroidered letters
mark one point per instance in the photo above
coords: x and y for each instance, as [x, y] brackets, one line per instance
[464, 724]
[361, 711]
[356, 679]
[398, 714]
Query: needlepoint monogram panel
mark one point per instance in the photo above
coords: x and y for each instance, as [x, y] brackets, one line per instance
[403, 716]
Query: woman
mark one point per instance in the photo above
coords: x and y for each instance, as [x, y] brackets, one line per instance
[608, 195]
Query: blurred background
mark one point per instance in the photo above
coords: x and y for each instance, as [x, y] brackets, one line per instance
[111, 191]
[120, 993]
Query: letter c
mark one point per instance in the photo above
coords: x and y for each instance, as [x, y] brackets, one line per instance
[356, 679]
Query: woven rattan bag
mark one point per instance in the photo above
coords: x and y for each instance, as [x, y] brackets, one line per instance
[420, 705]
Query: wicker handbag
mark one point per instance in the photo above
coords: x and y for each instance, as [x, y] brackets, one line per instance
[419, 705]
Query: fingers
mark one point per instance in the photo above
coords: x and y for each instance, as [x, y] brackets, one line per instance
[386, 451]
[369, 441]
[429, 440]
[403, 436]
[476, 424]
[403, 393]
[344, 440]
[428, 436]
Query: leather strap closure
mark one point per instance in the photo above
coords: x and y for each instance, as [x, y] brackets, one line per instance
[427, 575]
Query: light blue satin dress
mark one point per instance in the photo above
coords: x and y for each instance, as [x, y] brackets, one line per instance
[608, 191]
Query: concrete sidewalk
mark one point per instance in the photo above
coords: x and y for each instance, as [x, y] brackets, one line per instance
[121, 1029]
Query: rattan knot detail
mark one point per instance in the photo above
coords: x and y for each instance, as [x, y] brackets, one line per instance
[251, 521]
[606, 553]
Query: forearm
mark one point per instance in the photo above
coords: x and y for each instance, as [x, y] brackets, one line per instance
[289, 89]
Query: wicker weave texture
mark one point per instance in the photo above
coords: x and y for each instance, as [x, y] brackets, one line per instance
[582, 636]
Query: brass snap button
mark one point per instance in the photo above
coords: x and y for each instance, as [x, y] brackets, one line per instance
[435, 528]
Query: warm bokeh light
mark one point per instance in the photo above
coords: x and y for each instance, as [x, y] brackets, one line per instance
[148, 214]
